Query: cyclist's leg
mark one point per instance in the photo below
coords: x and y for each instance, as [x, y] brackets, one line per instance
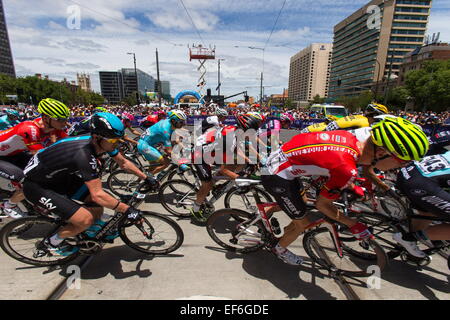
[152, 155]
[205, 176]
[286, 194]
[10, 177]
[79, 218]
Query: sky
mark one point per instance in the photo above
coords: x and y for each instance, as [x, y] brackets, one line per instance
[61, 38]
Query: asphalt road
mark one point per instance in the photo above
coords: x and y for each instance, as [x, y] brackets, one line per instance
[200, 269]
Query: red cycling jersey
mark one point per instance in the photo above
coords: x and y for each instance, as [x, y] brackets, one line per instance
[222, 140]
[332, 154]
[26, 135]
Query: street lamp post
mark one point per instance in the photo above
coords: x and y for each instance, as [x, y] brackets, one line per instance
[135, 74]
[218, 76]
[262, 74]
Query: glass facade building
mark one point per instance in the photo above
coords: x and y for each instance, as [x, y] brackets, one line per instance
[366, 47]
[6, 60]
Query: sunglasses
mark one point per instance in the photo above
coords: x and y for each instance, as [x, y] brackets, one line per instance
[112, 141]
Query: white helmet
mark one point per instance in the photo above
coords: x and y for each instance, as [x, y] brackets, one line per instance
[221, 112]
[177, 115]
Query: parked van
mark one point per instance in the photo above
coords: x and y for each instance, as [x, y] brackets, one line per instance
[330, 110]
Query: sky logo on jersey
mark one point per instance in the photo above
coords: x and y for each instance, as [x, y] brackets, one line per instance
[46, 202]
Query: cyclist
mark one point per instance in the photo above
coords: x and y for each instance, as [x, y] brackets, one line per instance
[374, 112]
[9, 119]
[426, 184]
[286, 120]
[215, 121]
[392, 143]
[83, 127]
[160, 133]
[68, 170]
[127, 120]
[149, 121]
[18, 144]
[222, 145]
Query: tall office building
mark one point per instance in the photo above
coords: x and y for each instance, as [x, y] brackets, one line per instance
[117, 85]
[111, 86]
[309, 72]
[6, 60]
[367, 45]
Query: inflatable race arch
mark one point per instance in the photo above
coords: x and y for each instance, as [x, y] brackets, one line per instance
[187, 93]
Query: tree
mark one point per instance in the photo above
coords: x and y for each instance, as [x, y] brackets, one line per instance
[429, 86]
[289, 104]
[7, 86]
[356, 103]
[317, 100]
[397, 98]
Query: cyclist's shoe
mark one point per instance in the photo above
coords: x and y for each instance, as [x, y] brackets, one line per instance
[112, 234]
[94, 228]
[287, 256]
[64, 249]
[14, 212]
[410, 246]
[361, 232]
[200, 216]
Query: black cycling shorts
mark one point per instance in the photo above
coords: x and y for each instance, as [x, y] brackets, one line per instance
[20, 160]
[424, 193]
[58, 202]
[286, 194]
[204, 172]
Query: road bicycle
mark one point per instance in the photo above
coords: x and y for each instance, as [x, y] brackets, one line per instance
[148, 232]
[327, 243]
[178, 196]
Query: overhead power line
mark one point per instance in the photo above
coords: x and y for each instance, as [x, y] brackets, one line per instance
[274, 25]
[192, 21]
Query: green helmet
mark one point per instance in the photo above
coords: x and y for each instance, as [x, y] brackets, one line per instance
[401, 138]
[53, 108]
[100, 109]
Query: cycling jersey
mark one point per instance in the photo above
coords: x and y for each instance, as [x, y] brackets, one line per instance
[26, 135]
[346, 123]
[426, 183]
[80, 128]
[160, 132]
[332, 154]
[59, 171]
[5, 123]
[439, 142]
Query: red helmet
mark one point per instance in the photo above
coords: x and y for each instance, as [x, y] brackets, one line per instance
[150, 120]
[127, 116]
[246, 122]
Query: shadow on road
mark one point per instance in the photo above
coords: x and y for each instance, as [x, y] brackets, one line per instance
[295, 281]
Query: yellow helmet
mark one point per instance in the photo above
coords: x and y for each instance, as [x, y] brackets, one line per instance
[401, 138]
[376, 108]
[53, 108]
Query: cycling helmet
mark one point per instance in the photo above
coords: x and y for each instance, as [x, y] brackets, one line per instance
[161, 114]
[53, 108]
[256, 115]
[107, 125]
[100, 109]
[221, 112]
[177, 115]
[12, 112]
[127, 116]
[376, 108]
[286, 117]
[401, 138]
[247, 121]
[150, 120]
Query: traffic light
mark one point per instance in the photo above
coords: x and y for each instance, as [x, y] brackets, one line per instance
[246, 98]
[208, 95]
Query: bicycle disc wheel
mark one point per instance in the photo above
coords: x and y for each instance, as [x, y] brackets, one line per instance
[244, 199]
[320, 247]
[154, 234]
[237, 235]
[177, 197]
[25, 246]
[122, 183]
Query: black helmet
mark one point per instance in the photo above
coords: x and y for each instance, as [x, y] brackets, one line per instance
[107, 125]
[246, 122]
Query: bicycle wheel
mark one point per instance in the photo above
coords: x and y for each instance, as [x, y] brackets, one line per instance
[177, 197]
[188, 176]
[21, 239]
[241, 235]
[154, 234]
[383, 228]
[122, 183]
[244, 198]
[320, 247]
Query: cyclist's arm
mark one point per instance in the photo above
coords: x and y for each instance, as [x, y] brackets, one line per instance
[370, 174]
[134, 131]
[227, 172]
[128, 166]
[102, 198]
[128, 139]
